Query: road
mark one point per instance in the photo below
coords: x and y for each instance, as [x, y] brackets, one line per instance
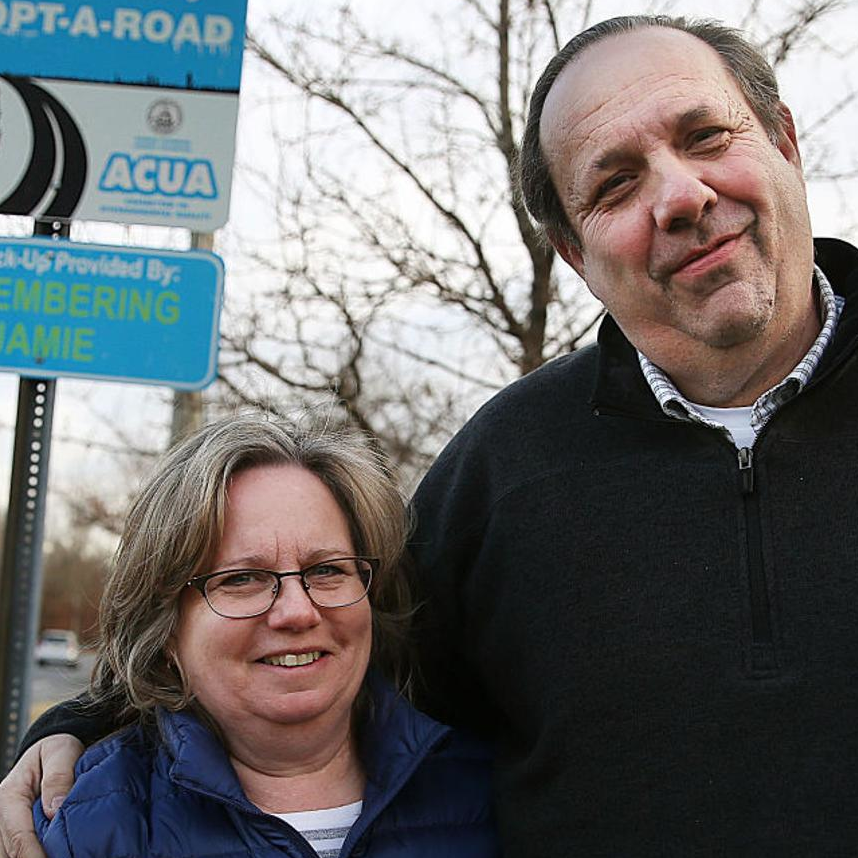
[53, 683]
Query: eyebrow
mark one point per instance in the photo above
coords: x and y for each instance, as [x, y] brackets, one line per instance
[313, 557]
[245, 561]
[610, 159]
[693, 115]
[260, 561]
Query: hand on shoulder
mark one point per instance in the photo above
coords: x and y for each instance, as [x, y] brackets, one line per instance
[46, 769]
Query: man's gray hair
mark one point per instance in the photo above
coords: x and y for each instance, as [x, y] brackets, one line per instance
[744, 61]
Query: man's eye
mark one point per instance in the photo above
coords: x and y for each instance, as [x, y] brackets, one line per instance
[708, 136]
[613, 186]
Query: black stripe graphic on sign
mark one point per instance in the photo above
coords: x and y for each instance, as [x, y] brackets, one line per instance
[34, 184]
[74, 162]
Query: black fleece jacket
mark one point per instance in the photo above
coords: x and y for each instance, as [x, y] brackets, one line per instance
[663, 639]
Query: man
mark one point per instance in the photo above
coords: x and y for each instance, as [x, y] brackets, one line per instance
[637, 562]
[655, 614]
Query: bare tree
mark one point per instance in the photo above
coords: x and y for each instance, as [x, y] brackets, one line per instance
[405, 280]
[408, 281]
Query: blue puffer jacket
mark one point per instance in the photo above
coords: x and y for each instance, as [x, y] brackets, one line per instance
[427, 796]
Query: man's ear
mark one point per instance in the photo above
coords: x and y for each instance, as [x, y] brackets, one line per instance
[787, 137]
[569, 253]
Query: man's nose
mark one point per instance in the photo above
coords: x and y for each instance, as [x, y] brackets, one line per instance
[681, 196]
[292, 609]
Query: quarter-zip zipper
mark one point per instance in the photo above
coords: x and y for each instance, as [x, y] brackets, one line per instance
[761, 657]
[762, 641]
[611, 411]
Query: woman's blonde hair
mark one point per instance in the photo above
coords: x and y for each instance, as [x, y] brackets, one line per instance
[175, 525]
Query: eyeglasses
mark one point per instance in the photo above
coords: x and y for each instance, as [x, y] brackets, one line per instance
[240, 593]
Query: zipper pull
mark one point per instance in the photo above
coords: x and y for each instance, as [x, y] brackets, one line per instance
[746, 469]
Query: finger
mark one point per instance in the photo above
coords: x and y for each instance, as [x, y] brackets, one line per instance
[17, 793]
[58, 757]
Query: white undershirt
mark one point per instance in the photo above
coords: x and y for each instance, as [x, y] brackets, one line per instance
[325, 830]
[737, 421]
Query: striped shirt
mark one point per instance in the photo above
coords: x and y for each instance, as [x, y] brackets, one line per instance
[325, 830]
[674, 404]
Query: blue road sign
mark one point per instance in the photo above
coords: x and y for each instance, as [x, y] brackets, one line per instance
[184, 44]
[115, 313]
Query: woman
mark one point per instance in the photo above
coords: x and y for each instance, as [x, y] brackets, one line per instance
[256, 582]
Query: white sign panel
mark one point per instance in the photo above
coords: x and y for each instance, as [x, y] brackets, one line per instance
[120, 112]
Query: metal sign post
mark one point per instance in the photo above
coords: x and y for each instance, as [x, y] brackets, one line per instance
[21, 573]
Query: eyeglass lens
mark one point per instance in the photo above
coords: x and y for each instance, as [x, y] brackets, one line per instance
[247, 592]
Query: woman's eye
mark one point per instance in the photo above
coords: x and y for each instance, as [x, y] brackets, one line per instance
[327, 570]
[241, 579]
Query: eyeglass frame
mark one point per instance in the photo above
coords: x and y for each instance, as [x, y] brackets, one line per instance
[198, 582]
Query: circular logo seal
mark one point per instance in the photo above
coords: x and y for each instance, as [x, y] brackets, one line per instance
[164, 116]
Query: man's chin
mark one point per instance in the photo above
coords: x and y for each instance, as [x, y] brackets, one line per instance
[733, 314]
[730, 333]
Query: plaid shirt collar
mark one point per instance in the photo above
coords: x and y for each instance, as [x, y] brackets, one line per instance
[674, 404]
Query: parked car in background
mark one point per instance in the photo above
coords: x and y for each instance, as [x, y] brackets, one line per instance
[58, 646]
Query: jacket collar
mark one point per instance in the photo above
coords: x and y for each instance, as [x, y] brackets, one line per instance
[621, 386]
[198, 760]
[394, 740]
[839, 260]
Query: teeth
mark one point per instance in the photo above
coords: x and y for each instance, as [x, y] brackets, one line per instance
[291, 659]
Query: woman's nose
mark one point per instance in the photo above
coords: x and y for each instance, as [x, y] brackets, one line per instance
[293, 608]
